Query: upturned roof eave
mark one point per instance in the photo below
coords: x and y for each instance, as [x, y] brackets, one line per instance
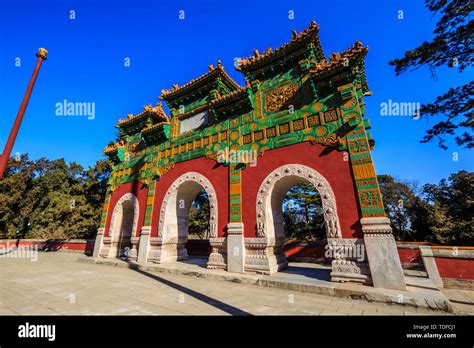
[171, 95]
[299, 41]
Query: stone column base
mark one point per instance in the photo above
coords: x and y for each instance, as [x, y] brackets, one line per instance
[344, 271]
[349, 264]
[144, 244]
[264, 256]
[133, 253]
[167, 251]
[384, 262]
[105, 251]
[218, 255]
[98, 245]
[113, 249]
[235, 247]
[155, 249]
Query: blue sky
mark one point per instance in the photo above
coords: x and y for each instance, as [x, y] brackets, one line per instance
[86, 64]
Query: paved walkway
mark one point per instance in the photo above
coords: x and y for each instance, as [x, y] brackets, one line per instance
[57, 284]
[462, 300]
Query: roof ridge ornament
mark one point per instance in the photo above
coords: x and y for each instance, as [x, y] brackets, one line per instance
[158, 107]
[218, 66]
[114, 146]
[244, 64]
[148, 111]
[351, 58]
[122, 120]
[294, 34]
[335, 56]
[216, 71]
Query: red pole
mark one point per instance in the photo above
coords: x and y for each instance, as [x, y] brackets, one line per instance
[19, 117]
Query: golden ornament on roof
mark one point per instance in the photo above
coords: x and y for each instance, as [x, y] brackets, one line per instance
[158, 107]
[357, 45]
[334, 56]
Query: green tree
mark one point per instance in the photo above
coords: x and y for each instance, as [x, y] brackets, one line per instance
[199, 215]
[452, 47]
[431, 223]
[454, 200]
[302, 213]
[15, 209]
[398, 199]
[51, 199]
[440, 213]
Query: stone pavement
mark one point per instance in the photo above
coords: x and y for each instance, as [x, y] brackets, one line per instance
[461, 299]
[57, 284]
[300, 277]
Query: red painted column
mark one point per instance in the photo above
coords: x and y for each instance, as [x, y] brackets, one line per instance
[19, 117]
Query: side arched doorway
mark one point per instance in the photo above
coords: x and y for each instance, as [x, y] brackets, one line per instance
[174, 216]
[123, 225]
[265, 252]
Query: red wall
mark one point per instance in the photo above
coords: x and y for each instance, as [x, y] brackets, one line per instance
[410, 255]
[304, 251]
[329, 163]
[140, 191]
[312, 251]
[217, 174]
[53, 244]
[455, 268]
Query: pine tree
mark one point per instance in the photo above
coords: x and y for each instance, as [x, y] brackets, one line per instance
[452, 46]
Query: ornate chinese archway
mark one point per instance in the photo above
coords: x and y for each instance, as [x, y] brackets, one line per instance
[301, 117]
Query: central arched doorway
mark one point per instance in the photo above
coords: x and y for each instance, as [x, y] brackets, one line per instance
[265, 253]
[173, 228]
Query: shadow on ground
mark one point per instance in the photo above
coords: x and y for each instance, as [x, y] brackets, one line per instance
[313, 273]
[197, 295]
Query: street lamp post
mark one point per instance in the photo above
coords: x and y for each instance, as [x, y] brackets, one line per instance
[19, 117]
